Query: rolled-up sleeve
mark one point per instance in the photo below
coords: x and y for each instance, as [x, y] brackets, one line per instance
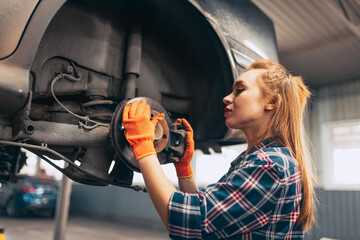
[185, 215]
[240, 202]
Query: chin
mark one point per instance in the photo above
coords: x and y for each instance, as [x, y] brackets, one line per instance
[232, 124]
[228, 123]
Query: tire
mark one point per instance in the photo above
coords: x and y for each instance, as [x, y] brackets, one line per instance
[11, 209]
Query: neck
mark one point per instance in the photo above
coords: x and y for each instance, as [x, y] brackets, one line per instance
[255, 136]
[253, 140]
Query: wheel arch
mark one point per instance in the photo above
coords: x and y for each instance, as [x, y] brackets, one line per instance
[194, 30]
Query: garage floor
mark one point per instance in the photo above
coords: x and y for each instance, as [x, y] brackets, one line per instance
[36, 228]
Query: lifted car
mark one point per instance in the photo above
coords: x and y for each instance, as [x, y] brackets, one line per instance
[66, 65]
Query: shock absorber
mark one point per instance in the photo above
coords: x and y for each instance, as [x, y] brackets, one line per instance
[133, 59]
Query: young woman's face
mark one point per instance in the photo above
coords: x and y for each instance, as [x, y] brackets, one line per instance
[245, 105]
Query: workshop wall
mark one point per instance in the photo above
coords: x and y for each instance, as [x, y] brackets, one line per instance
[338, 211]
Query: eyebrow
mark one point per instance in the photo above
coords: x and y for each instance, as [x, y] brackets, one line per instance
[238, 83]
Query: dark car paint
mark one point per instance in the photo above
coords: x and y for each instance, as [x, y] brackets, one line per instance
[42, 199]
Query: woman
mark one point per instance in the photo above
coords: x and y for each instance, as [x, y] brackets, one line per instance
[267, 192]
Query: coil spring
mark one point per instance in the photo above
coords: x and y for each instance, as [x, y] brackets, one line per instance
[5, 165]
[11, 161]
[99, 109]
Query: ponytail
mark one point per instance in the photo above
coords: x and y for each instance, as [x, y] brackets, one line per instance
[291, 96]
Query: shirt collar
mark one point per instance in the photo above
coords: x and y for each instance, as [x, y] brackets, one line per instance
[264, 144]
[271, 141]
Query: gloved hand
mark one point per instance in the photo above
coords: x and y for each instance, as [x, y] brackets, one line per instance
[139, 129]
[183, 167]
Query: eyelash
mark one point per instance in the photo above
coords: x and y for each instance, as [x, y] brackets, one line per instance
[239, 90]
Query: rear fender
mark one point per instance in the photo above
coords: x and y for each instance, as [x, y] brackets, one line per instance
[17, 55]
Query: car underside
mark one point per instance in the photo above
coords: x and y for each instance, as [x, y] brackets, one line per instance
[76, 61]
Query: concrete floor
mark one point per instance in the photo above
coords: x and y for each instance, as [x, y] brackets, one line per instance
[79, 228]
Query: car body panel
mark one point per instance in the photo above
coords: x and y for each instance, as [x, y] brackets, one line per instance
[16, 22]
[16, 61]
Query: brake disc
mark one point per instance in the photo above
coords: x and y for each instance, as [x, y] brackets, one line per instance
[162, 133]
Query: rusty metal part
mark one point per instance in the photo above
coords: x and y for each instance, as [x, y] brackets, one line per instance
[122, 147]
[72, 135]
[178, 143]
[133, 61]
[161, 133]
[97, 103]
[169, 143]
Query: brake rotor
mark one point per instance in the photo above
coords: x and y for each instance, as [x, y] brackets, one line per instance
[121, 145]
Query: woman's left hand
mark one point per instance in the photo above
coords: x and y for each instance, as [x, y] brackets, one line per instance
[183, 167]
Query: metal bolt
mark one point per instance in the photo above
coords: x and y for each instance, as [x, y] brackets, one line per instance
[29, 128]
[69, 69]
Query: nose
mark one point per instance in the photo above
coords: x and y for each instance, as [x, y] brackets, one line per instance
[227, 99]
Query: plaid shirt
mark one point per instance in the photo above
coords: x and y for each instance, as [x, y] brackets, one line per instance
[258, 198]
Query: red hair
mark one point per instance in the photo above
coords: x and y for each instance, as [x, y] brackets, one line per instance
[290, 95]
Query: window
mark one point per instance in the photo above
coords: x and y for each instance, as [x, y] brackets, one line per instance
[211, 167]
[33, 162]
[341, 155]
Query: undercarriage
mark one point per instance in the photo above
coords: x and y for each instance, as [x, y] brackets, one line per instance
[92, 56]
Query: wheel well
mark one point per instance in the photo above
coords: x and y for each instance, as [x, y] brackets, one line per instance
[184, 65]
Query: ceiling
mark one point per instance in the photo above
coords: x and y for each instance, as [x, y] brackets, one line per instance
[317, 39]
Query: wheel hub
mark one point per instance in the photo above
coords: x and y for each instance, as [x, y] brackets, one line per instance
[162, 133]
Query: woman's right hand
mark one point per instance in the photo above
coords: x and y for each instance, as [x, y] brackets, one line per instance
[183, 167]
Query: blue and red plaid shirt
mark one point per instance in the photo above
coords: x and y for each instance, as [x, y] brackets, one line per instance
[258, 198]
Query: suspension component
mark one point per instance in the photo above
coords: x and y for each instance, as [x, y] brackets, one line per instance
[12, 159]
[99, 109]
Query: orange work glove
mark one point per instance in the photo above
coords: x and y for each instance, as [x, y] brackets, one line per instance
[183, 167]
[139, 129]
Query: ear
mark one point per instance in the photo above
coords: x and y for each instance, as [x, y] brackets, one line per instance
[272, 103]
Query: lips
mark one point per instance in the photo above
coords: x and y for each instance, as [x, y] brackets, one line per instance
[227, 110]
